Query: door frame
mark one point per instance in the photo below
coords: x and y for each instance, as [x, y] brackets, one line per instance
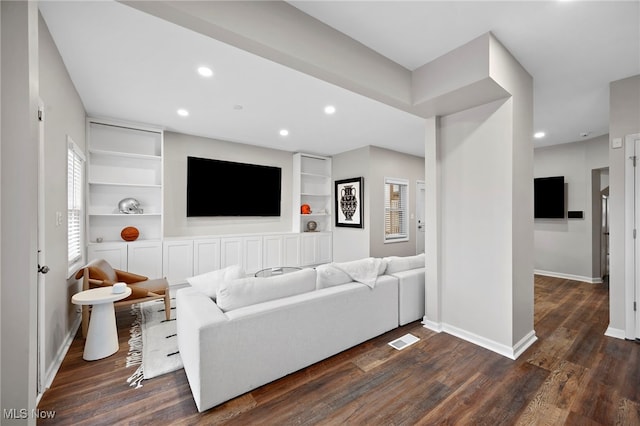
[420, 183]
[40, 311]
[632, 266]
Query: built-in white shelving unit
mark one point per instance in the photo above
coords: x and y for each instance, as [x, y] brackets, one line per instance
[312, 186]
[124, 161]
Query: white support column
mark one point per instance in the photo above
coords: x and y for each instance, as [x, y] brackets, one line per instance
[433, 291]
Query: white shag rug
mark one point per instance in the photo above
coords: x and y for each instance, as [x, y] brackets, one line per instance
[153, 345]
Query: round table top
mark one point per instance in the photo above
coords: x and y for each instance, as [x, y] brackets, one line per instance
[270, 272]
[95, 296]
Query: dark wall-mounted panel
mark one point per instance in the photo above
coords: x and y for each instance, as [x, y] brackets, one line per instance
[575, 214]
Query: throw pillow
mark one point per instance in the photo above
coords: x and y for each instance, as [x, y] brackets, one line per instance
[209, 282]
[252, 290]
[404, 263]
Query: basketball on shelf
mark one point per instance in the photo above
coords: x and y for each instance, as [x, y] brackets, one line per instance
[305, 209]
[130, 233]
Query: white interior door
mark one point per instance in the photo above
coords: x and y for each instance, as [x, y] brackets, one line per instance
[420, 225]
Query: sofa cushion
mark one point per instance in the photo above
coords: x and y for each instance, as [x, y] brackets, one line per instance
[252, 290]
[209, 282]
[365, 271]
[404, 263]
[330, 276]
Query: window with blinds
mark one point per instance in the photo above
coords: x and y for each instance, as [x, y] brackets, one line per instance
[396, 210]
[75, 204]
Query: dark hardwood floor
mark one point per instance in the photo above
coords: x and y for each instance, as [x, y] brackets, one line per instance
[572, 375]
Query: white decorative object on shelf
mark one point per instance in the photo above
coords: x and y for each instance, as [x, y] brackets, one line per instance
[129, 206]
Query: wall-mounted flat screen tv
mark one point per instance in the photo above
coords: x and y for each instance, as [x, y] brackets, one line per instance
[225, 188]
[548, 197]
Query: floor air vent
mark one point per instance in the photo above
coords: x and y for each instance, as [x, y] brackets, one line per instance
[404, 341]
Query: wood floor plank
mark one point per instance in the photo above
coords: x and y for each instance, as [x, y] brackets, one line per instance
[628, 413]
[538, 413]
[460, 403]
[560, 388]
[572, 375]
[505, 403]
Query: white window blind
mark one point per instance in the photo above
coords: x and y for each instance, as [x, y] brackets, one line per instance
[396, 210]
[75, 203]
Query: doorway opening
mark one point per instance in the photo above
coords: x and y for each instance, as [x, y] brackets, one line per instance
[420, 208]
[600, 224]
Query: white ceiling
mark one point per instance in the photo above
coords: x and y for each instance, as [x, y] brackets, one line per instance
[129, 65]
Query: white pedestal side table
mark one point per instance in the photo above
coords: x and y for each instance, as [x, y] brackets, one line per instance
[102, 336]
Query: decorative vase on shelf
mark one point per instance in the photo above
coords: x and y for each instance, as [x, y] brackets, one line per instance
[348, 202]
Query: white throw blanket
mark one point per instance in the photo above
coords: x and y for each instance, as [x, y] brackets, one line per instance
[364, 271]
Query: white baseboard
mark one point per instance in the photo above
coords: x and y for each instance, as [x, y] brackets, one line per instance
[590, 280]
[504, 350]
[62, 352]
[432, 325]
[615, 332]
[524, 344]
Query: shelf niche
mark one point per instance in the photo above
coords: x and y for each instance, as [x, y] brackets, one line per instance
[312, 186]
[125, 161]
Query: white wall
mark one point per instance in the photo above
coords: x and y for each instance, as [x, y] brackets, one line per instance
[374, 164]
[624, 119]
[385, 163]
[476, 200]
[563, 247]
[64, 115]
[18, 189]
[1, 382]
[353, 243]
[176, 223]
[511, 76]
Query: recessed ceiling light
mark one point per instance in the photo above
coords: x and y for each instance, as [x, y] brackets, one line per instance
[183, 112]
[539, 135]
[238, 107]
[329, 109]
[284, 132]
[205, 71]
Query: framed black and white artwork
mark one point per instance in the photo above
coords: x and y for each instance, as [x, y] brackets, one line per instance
[349, 205]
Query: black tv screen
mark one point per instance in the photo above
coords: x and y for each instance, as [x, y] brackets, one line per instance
[548, 197]
[225, 188]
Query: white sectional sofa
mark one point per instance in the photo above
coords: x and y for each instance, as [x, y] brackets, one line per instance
[260, 329]
[410, 274]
